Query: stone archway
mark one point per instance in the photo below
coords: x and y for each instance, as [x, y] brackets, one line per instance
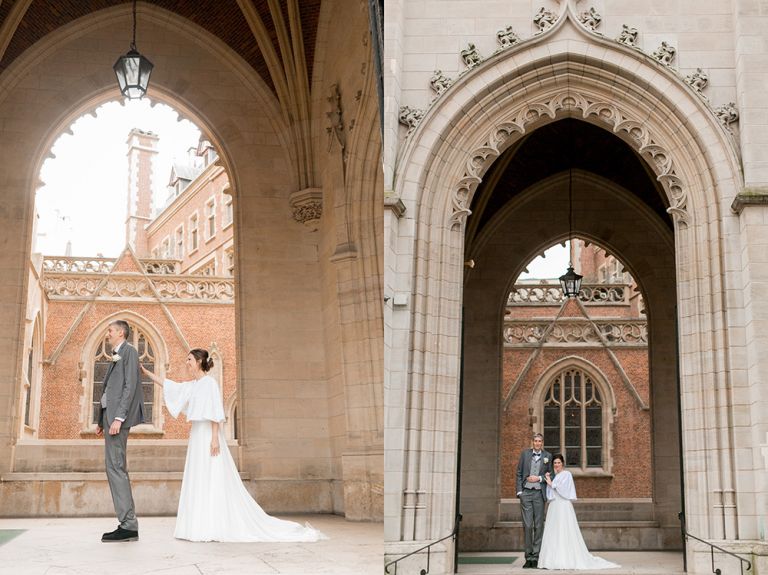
[563, 73]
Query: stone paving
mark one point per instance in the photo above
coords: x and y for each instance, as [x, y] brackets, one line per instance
[64, 546]
[632, 563]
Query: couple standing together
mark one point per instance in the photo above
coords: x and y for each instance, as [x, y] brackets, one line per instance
[214, 505]
[558, 544]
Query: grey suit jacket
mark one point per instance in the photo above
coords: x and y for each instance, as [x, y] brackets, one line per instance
[524, 469]
[123, 388]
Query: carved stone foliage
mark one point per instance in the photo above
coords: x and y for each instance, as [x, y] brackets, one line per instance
[165, 267]
[549, 294]
[627, 36]
[664, 54]
[591, 19]
[410, 117]
[440, 82]
[507, 38]
[80, 265]
[307, 206]
[576, 332]
[698, 81]
[727, 114]
[635, 132]
[544, 19]
[470, 56]
[118, 286]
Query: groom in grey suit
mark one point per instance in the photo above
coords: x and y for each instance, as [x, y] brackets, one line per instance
[531, 489]
[122, 407]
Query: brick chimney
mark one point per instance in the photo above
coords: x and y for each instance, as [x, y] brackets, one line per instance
[142, 149]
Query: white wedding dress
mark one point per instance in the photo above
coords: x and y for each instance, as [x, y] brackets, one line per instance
[214, 504]
[562, 546]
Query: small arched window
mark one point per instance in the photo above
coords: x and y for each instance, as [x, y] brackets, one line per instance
[573, 419]
[102, 359]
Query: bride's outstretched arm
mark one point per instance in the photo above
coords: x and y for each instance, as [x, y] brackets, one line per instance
[155, 379]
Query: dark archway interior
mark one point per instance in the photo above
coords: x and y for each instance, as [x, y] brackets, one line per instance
[555, 148]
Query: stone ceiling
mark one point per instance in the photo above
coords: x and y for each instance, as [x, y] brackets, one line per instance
[226, 19]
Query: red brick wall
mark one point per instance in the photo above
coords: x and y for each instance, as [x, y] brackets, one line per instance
[62, 393]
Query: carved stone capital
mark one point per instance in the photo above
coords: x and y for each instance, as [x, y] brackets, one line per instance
[307, 206]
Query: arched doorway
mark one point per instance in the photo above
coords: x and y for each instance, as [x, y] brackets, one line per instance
[523, 202]
[454, 151]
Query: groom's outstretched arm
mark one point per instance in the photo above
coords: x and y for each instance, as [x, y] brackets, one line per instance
[130, 381]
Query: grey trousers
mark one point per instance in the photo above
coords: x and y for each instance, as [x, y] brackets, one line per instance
[117, 476]
[532, 504]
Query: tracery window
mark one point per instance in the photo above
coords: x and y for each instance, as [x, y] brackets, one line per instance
[573, 419]
[102, 360]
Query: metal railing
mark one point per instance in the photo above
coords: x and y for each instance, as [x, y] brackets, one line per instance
[712, 548]
[451, 535]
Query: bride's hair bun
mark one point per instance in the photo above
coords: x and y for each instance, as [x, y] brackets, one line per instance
[201, 355]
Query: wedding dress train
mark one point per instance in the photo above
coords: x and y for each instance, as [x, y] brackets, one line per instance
[562, 546]
[214, 504]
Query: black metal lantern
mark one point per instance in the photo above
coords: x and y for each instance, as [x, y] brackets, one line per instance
[570, 282]
[133, 69]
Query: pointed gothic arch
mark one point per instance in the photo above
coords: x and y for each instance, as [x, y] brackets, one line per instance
[565, 72]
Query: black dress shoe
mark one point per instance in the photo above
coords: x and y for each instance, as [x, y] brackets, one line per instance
[534, 563]
[527, 564]
[119, 535]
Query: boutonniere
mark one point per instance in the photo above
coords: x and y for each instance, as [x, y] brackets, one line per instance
[116, 357]
[546, 460]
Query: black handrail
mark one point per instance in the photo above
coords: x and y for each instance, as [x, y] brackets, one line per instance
[712, 548]
[452, 534]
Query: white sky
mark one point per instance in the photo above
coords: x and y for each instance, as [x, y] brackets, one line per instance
[553, 265]
[84, 199]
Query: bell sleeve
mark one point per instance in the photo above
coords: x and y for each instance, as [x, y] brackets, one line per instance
[176, 396]
[206, 402]
[563, 485]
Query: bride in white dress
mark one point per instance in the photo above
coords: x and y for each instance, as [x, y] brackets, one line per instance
[562, 546]
[214, 504]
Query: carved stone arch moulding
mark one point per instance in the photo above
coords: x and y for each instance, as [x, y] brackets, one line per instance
[609, 114]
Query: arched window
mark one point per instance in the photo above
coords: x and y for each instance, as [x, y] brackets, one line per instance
[573, 418]
[102, 359]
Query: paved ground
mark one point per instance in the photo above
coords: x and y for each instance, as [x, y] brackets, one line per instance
[73, 547]
[632, 563]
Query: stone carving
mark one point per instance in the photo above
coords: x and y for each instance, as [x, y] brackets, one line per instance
[727, 114]
[628, 36]
[308, 213]
[166, 267]
[698, 81]
[75, 286]
[550, 294]
[79, 265]
[591, 19]
[470, 56]
[440, 82]
[607, 113]
[307, 206]
[664, 54]
[507, 38]
[410, 117]
[578, 332]
[544, 19]
[336, 117]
